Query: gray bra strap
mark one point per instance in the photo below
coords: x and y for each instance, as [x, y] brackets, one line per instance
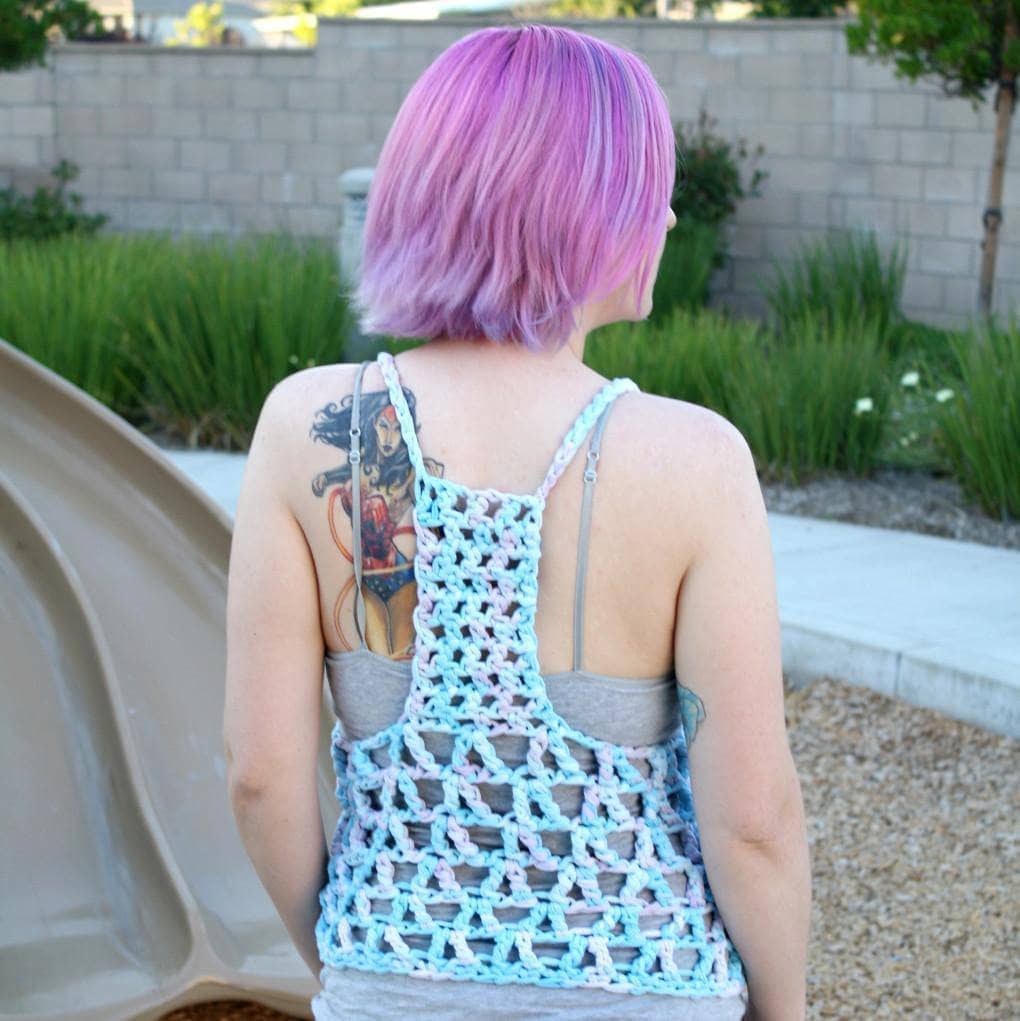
[590, 476]
[354, 460]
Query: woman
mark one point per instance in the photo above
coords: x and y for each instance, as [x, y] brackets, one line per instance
[562, 761]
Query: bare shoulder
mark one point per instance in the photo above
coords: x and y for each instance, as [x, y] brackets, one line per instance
[696, 449]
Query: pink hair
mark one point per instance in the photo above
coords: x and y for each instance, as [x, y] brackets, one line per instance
[529, 170]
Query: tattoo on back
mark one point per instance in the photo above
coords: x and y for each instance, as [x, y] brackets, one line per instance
[387, 495]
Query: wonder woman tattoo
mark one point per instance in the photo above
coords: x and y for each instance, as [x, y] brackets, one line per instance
[387, 479]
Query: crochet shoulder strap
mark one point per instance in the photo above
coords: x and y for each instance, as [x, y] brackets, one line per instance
[568, 447]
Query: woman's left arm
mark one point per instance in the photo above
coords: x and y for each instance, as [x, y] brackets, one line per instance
[274, 680]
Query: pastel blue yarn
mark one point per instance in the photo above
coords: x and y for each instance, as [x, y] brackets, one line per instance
[475, 680]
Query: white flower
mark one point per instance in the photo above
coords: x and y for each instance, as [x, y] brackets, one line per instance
[863, 404]
[909, 379]
[943, 395]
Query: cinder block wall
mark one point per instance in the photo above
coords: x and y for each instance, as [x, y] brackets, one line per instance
[222, 141]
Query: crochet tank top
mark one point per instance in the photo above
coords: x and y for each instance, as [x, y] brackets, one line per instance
[482, 836]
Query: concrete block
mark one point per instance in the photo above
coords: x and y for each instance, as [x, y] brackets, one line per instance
[954, 112]
[185, 185]
[946, 256]
[179, 63]
[232, 124]
[204, 154]
[232, 64]
[95, 151]
[285, 126]
[794, 39]
[972, 149]
[314, 157]
[287, 64]
[868, 74]
[948, 185]
[288, 188]
[816, 140]
[853, 107]
[796, 174]
[382, 97]
[871, 214]
[125, 120]
[203, 93]
[19, 152]
[771, 70]
[893, 180]
[804, 106]
[343, 127]
[168, 122]
[778, 139]
[771, 208]
[924, 290]
[35, 121]
[258, 94]
[735, 42]
[373, 36]
[125, 183]
[963, 222]
[130, 63]
[156, 91]
[748, 241]
[816, 209]
[673, 38]
[729, 104]
[852, 178]
[901, 110]
[152, 214]
[234, 187]
[88, 90]
[700, 70]
[258, 156]
[875, 145]
[821, 70]
[20, 86]
[205, 218]
[922, 219]
[70, 62]
[926, 146]
[155, 153]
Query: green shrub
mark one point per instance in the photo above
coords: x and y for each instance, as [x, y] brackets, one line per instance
[979, 424]
[814, 401]
[837, 278]
[46, 214]
[185, 336]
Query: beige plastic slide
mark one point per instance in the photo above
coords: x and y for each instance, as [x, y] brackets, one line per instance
[125, 890]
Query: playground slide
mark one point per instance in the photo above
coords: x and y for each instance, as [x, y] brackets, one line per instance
[125, 891]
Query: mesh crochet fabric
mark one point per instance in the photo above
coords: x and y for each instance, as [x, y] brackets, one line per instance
[475, 682]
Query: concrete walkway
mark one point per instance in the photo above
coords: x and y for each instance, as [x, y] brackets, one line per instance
[932, 621]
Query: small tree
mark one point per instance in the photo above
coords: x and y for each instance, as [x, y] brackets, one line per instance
[969, 45]
[27, 26]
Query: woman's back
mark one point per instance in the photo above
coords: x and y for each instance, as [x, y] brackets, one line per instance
[482, 427]
[643, 577]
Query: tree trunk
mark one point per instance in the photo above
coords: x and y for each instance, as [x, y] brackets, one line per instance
[1005, 98]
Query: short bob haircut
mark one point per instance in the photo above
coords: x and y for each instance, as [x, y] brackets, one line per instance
[529, 170]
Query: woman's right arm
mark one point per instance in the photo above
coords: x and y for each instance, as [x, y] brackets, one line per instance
[747, 795]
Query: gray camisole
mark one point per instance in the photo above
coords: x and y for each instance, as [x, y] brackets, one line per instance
[369, 691]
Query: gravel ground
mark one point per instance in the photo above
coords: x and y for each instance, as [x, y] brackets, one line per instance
[913, 828]
[894, 498]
